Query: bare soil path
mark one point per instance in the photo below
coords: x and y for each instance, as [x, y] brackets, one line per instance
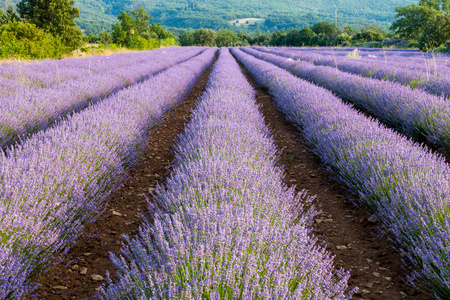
[74, 278]
[350, 231]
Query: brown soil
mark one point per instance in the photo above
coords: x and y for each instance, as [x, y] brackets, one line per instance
[122, 214]
[375, 266]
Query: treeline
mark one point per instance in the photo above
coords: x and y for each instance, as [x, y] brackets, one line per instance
[46, 29]
[320, 34]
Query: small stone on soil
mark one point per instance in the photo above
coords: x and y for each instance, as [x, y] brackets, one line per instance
[376, 274]
[97, 277]
[341, 247]
[116, 213]
[60, 287]
[83, 271]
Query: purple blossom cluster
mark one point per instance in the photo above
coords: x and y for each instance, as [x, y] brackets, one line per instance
[429, 74]
[32, 109]
[52, 183]
[406, 184]
[415, 113]
[225, 226]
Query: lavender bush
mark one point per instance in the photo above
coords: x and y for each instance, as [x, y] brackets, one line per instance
[53, 182]
[406, 184]
[225, 226]
[415, 113]
[30, 110]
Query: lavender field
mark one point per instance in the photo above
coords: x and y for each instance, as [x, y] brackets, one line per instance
[225, 223]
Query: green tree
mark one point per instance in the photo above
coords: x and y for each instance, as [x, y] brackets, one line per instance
[349, 30]
[226, 38]
[141, 19]
[305, 36]
[435, 33]
[410, 21]
[278, 38]
[186, 39]
[133, 30]
[8, 16]
[160, 32]
[105, 37]
[342, 39]
[204, 37]
[293, 38]
[124, 29]
[367, 35]
[323, 28]
[55, 17]
[321, 39]
[244, 39]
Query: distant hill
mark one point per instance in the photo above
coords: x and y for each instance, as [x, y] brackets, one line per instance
[215, 14]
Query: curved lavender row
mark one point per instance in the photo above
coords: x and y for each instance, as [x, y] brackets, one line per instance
[413, 112]
[406, 74]
[34, 110]
[52, 183]
[404, 182]
[45, 73]
[228, 228]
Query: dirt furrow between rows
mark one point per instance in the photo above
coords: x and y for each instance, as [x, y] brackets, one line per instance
[352, 234]
[83, 269]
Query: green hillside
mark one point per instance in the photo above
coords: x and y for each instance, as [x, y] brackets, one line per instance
[215, 14]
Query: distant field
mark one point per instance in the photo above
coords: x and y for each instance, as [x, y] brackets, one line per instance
[247, 21]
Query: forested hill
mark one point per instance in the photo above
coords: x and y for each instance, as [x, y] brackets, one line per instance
[215, 14]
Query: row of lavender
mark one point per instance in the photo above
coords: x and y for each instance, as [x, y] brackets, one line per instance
[425, 63]
[31, 110]
[53, 182]
[225, 226]
[406, 184]
[421, 73]
[415, 113]
[45, 73]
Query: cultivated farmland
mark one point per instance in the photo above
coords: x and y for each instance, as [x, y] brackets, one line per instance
[240, 173]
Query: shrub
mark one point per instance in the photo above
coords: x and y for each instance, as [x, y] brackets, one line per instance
[24, 40]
